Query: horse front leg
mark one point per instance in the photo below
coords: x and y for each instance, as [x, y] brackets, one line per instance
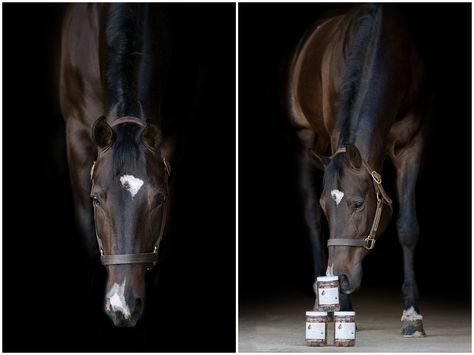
[80, 153]
[312, 213]
[407, 164]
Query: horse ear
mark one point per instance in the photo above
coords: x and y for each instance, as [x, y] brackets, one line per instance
[320, 161]
[102, 133]
[151, 136]
[353, 156]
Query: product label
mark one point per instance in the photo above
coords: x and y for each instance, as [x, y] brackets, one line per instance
[344, 331]
[328, 295]
[315, 330]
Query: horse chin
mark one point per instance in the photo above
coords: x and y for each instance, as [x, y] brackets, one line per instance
[350, 291]
[349, 285]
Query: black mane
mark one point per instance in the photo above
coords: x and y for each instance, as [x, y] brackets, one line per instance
[125, 42]
[333, 172]
[359, 59]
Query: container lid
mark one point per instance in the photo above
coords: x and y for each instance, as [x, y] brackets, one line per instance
[316, 314]
[327, 278]
[347, 313]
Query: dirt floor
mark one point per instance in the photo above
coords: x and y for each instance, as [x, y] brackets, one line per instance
[277, 325]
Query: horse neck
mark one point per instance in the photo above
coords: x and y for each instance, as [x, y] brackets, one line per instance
[372, 89]
[371, 141]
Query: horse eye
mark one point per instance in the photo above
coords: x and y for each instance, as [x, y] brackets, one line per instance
[95, 199]
[358, 205]
[160, 199]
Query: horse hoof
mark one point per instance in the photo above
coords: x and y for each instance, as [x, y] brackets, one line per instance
[413, 328]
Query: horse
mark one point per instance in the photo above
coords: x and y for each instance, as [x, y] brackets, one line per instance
[120, 146]
[357, 94]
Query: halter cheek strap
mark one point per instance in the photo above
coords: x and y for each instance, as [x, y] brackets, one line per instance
[382, 199]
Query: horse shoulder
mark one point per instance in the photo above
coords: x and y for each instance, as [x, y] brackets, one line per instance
[80, 88]
[310, 86]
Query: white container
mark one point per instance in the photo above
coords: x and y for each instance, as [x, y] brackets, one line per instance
[316, 328]
[344, 328]
[328, 293]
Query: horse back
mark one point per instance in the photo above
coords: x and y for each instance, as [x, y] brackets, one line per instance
[318, 76]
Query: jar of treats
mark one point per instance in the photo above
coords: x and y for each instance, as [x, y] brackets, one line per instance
[344, 328]
[316, 328]
[327, 293]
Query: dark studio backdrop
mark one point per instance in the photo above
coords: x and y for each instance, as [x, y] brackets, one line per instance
[274, 256]
[49, 301]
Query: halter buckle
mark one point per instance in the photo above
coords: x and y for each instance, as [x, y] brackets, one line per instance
[376, 176]
[370, 243]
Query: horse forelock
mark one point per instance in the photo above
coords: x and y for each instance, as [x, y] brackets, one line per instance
[333, 173]
[126, 149]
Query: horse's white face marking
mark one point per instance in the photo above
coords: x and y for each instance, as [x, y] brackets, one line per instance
[410, 315]
[116, 300]
[131, 184]
[329, 271]
[337, 196]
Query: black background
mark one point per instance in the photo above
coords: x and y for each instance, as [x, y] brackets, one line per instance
[274, 254]
[48, 301]
[46, 294]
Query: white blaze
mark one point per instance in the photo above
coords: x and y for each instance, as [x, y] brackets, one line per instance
[131, 184]
[116, 300]
[337, 196]
[329, 271]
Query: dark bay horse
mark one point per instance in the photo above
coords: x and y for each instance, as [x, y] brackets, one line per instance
[120, 147]
[357, 95]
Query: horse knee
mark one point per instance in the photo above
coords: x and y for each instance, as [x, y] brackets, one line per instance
[407, 232]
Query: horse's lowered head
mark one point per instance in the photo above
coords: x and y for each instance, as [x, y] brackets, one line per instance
[129, 192]
[352, 200]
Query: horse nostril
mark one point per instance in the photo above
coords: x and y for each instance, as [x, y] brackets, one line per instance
[344, 282]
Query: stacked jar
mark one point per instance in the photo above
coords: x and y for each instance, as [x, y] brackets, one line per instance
[327, 302]
[327, 288]
[316, 328]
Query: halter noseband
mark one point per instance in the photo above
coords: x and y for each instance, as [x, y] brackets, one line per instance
[382, 198]
[136, 258]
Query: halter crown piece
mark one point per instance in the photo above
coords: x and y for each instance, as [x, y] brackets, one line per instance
[382, 198]
[137, 258]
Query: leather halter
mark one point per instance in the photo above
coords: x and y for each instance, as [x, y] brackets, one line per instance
[382, 198]
[136, 258]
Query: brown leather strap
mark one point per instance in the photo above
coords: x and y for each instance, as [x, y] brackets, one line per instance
[128, 119]
[119, 259]
[347, 242]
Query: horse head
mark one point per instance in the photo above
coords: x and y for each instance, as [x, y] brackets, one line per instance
[129, 193]
[352, 200]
